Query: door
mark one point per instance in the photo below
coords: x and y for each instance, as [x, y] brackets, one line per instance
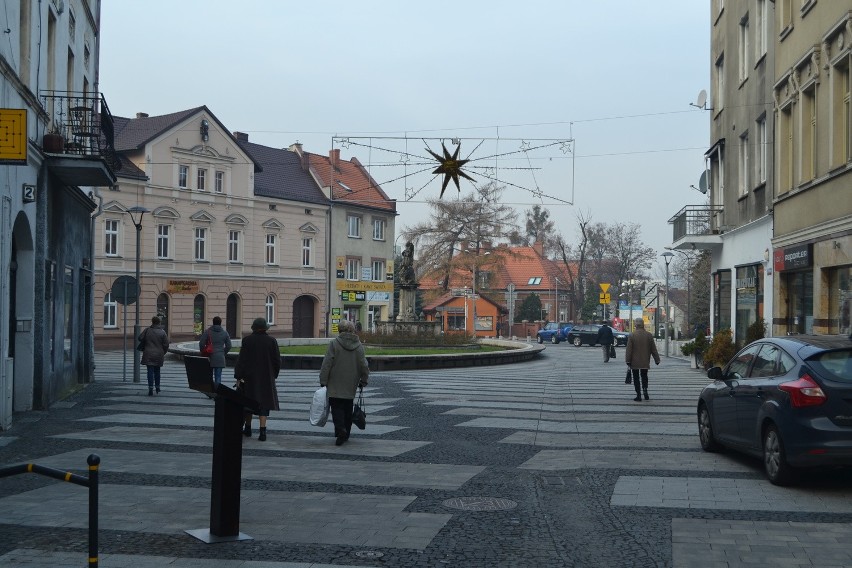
[232, 309]
[303, 317]
[725, 397]
[752, 394]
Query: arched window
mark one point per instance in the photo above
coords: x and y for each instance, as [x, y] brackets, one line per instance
[110, 311]
[163, 310]
[270, 309]
[198, 316]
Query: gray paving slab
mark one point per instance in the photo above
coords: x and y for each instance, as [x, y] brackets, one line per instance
[661, 428]
[301, 469]
[553, 460]
[300, 517]
[43, 559]
[286, 414]
[273, 424]
[602, 408]
[760, 543]
[570, 415]
[321, 443]
[598, 440]
[726, 494]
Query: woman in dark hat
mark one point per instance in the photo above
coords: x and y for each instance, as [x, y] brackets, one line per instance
[257, 368]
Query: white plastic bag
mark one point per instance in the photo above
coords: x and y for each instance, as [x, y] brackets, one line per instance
[319, 408]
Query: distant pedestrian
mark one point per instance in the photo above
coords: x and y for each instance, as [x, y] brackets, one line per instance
[358, 327]
[640, 348]
[221, 346]
[344, 368]
[257, 368]
[156, 344]
[606, 339]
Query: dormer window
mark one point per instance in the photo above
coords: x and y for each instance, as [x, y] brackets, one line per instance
[534, 280]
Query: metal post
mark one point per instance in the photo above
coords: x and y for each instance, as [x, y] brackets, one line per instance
[667, 256]
[473, 299]
[94, 463]
[124, 323]
[138, 225]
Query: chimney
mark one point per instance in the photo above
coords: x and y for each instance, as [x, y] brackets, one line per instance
[538, 247]
[303, 158]
[334, 158]
[241, 136]
[141, 115]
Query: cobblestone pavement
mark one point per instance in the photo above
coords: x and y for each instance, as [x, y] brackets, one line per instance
[544, 463]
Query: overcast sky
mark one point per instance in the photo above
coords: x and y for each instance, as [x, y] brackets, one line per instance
[614, 76]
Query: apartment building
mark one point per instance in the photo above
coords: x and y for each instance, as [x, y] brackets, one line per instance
[812, 201]
[226, 228]
[55, 152]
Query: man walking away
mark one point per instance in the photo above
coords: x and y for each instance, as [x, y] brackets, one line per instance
[606, 339]
[640, 348]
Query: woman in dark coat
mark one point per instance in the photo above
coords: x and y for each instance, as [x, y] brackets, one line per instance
[256, 370]
[156, 344]
[221, 345]
[344, 368]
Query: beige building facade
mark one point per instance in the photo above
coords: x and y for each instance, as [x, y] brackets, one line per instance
[231, 229]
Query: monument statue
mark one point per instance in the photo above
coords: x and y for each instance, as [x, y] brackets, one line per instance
[407, 277]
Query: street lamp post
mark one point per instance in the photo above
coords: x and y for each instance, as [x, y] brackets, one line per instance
[138, 224]
[667, 256]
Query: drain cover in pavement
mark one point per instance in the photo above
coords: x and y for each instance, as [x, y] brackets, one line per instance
[480, 503]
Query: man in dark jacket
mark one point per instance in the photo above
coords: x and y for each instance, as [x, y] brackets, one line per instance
[606, 339]
[257, 368]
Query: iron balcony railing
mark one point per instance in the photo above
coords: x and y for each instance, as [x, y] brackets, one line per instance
[84, 124]
[695, 220]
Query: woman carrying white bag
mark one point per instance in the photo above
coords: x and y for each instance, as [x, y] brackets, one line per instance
[319, 408]
[344, 369]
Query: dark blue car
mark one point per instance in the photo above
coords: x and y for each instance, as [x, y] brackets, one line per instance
[553, 332]
[787, 400]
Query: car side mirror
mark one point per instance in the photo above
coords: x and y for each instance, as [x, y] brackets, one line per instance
[714, 373]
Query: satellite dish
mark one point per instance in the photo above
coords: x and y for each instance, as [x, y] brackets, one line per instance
[702, 181]
[702, 99]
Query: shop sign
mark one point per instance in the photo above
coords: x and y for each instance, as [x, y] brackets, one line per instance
[183, 287]
[353, 295]
[791, 258]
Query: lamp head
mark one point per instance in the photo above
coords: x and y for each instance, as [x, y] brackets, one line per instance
[667, 256]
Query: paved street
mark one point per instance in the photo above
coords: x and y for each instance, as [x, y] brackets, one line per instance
[547, 463]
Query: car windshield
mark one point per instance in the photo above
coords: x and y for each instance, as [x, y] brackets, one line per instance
[836, 365]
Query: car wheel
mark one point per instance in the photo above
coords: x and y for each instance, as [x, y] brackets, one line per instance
[554, 340]
[540, 340]
[775, 463]
[705, 431]
[578, 342]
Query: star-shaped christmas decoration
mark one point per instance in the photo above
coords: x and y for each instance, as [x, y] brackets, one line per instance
[451, 167]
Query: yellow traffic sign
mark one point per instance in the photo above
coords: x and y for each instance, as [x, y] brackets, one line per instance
[605, 299]
[605, 287]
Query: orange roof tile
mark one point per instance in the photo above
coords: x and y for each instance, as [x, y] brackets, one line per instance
[351, 181]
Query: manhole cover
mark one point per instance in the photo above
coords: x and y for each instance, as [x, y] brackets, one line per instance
[480, 503]
[369, 554]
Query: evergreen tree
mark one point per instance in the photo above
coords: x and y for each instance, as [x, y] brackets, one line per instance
[530, 309]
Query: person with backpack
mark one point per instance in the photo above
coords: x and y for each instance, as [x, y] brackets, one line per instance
[221, 343]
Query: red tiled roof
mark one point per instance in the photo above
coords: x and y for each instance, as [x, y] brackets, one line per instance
[352, 182]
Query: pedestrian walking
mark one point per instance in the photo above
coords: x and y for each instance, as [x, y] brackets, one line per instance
[344, 368]
[221, 345]
[155, 343]
[257, 368]
[640, 348]
[606, 339]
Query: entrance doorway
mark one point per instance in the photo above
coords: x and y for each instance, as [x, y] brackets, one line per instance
[303, 317]
[232, 314]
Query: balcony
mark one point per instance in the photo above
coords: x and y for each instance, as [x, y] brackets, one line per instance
[79, 144]
[697, 227]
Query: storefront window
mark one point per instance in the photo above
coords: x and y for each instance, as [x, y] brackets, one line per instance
[749, 298]
[840, 300]
[198, 315]
[722, 299]
[163, 311]
[800, 301]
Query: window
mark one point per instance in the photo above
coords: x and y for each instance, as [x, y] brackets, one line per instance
[163, 241]
[738, 369]
[808, 134]
[785, 149]
[764, 364]
[719, 103]
[110, 311]
[307, 250]
[354, 224]
[111, 237]
[762, 32]
[786, 19]
[220, 182]
[200, 244]
[378, 270]
[201, 178]
[183, 176]
[743, 165]
[378, 229]
[270, 309]
[534, 280]
[762, 149]
[841, 117]
[743, 49]
[353, 268]
[270, 249]
[234, 246]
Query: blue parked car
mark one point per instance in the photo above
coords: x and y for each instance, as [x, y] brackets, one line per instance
[787, 400]
[553, 332]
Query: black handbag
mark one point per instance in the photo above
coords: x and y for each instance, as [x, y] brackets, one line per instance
[141, 345]
[629, 378]
[612, 351]
[359, 416]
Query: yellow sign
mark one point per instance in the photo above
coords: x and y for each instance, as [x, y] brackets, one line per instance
[605, 287]
[183, 286]
[364, 286]
[341, 262]
[605, 299]
[13, 136]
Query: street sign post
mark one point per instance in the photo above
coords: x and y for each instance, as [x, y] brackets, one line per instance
[125, 290]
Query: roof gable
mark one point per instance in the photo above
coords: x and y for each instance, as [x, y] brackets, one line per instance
[349, 181]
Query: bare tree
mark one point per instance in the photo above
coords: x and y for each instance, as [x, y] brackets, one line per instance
[576, 255]
[478, 218]
[633, 257]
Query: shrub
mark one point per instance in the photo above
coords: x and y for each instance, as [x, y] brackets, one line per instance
[721, 349]
[697, 346]
[688, 348]
[756, 331]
